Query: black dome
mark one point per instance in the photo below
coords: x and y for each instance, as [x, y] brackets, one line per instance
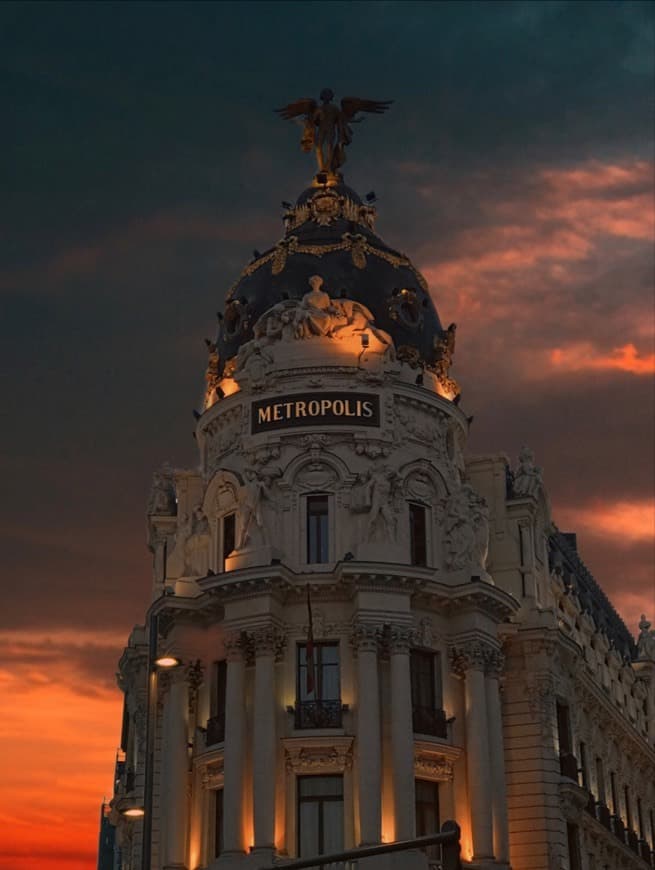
[329, 232]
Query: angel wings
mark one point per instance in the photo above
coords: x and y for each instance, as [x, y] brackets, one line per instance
[327, 127]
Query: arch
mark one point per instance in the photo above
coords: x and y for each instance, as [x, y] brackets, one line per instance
[323, 471]
[426, 469]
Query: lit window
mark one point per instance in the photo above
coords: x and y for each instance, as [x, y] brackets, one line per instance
[228, 537]
[418, 535]
[318, 694]
[317, 529]
[427, 807]
[320, 815]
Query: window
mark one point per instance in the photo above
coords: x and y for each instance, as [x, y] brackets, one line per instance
[600, 780]
[427, 807]
[575, 862]
[320, 815]
[318, 692]
[584, 772]
[418, 535]
[216, 721]
[317, 529]
[628, 807]
[218, 822]
[425, 675]
[615, 800]
[228, 537]
[567, 761]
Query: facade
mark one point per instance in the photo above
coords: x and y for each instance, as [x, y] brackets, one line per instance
[374, 632]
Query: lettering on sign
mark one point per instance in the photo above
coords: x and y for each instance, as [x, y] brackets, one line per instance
[308, 409]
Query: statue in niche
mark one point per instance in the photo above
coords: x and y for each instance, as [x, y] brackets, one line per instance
[466, 529]
[327, 127]
[379, 495]
[162, 500]
[196, 544]
[251, 519]
[528, 478]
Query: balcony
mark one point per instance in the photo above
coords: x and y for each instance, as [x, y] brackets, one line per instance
[618, 828]
[633, 841]
[591, 806]
[568, 766]
[429, 721]
[215, 730]
[317, 714]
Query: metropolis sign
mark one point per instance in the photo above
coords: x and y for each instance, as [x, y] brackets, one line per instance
[322, 409]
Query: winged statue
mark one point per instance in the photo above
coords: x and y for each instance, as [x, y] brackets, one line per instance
[327, 127]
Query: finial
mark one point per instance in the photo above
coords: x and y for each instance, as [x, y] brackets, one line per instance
[327, 128]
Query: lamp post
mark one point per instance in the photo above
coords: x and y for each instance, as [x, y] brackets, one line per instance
[154, 663]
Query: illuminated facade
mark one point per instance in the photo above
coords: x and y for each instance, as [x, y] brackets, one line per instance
[459, 661]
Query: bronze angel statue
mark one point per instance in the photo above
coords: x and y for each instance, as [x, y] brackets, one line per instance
[327, 127]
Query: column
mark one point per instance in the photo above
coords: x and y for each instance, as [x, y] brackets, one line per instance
[175, 763]
[233, 764]
[495, 662]
[266, 644]
[469, 662]
[402, 733]
[365, 644]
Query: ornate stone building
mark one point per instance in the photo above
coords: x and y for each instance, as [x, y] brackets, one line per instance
[373, 633]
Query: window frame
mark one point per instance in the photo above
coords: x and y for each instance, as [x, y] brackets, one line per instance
[321, 800]
[412, 507]
[305, 529]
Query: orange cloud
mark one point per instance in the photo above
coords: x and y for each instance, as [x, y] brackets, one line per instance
[629, 522]
[62, 745]
[582, 356]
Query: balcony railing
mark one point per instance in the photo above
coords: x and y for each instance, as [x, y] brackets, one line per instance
[318, 714]
[429, 721]
[568, 766]
[603, 815]
[215, 730]
[633, 841]
[618, 828]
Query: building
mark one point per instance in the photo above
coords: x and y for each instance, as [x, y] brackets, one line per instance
[370, 631]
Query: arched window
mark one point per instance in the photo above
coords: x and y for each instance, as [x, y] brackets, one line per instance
[317, 516]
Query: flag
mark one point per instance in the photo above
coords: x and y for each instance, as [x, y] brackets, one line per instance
[309, 648]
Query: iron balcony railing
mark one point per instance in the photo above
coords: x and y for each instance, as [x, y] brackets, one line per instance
[318, 714]
[427, 720]
[568, 766]
[447, 839]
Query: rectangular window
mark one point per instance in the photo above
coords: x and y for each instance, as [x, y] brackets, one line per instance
[418, 535]
[584, 772]
[218, 822]
[216, 721]
[228, 537]
[628, 807]
[640, 820]
[600, 781]
[317, 529]
[425, 677]
[318, 691]
[615, 800]
[575, 862]
[567, 760]
[320, 815]
[427, 807]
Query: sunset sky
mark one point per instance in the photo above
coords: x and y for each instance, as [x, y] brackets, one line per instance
[142, 164]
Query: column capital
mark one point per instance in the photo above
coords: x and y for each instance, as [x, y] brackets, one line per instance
[235, 647]
[269, 640]
[400, 639]
[365, 637]
[476, 654]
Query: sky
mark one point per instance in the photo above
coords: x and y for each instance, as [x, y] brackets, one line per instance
[141, 165]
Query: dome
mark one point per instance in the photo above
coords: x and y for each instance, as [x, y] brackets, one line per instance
[329, 232]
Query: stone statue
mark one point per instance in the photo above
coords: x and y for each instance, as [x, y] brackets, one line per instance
[162, 501]
[250, 508]
[527, 477]
[196, 545]
[466, 529]
[645, 641]
[212, 376]
[444, 346]
[379, 494]
[327, 127]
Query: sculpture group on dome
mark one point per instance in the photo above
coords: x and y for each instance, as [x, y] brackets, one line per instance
[327, 128]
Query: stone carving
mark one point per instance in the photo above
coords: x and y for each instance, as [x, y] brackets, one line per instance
[371, 449]
[212, 775]
[251, 518]
[212, 374]
[316, 476]
[268, 641]
[379, 495]
[646, 641]
[527, 476]
[430, 765]
[222, 436]
[466, 529]
[444, 346]
[162, 500]
[405, 307]
[196, 537]
[419, 486]
[400, 639]
[334, 756]
[327, 206]
[365, 637]
[315, 315]
[194, 674]
[474, 654]
[541, 697]
[423, 424]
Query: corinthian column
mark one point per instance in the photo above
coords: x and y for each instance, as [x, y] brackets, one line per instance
[267, 643]
[175, 770]
[402, 733]
[495, 663]
[233, 765]
[469, 661]
[365, 644]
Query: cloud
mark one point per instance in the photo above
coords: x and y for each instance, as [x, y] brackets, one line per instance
[582, 356]
[626, 522]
